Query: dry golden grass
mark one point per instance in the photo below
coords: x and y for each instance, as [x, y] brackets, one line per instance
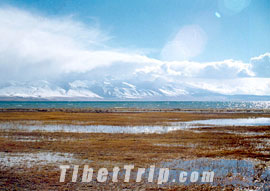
[138, 149]
[117, 118]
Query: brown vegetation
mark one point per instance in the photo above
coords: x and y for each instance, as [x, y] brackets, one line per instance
[117, 149]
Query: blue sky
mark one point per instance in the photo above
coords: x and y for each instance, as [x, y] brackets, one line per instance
[134, 49]
[241, 31]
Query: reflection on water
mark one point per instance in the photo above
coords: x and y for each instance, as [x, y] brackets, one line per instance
[93, 128]
[37, 126]
[262, 121]
[239, 173]
[227, 172]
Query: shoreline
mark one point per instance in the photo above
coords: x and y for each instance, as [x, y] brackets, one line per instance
[136, 110]
[206, 145]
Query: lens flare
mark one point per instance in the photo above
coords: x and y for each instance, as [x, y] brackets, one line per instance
[187, 43]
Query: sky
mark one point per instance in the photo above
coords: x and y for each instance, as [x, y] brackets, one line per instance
[235, 29]
[176, 40]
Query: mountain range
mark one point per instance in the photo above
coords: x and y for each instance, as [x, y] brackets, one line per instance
[113, 90]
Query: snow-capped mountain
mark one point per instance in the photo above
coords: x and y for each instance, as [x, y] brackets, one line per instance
[101, 90]
[109, 90]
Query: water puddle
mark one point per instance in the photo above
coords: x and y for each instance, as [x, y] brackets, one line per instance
[262, 121]
[32, 159]
[31, 126]
[176, 145]
[92, 128]
[239, 173]
[226, 171]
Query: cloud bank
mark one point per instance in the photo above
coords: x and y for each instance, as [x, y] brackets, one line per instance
[63, 57]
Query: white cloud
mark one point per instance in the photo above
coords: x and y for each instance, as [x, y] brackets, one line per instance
[261, 65]
[244, 86]
[44, 47]
[223, 69]
[74, 57]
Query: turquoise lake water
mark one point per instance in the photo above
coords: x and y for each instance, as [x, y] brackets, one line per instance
[137, 104]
